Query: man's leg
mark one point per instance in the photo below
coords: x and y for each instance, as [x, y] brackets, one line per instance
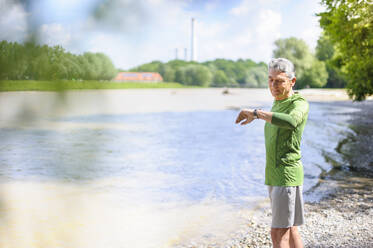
[280, 237]
[287, 210]
[286, 237]
[295, 239]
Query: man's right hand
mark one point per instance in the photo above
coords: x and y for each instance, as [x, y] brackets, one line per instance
[245, 114]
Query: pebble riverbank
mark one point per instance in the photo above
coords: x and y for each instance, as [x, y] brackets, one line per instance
[343, 219]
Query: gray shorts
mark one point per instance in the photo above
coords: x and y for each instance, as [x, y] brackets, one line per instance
[287, 206]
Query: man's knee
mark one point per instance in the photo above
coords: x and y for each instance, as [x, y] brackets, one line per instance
[294, 229]
[280, 234]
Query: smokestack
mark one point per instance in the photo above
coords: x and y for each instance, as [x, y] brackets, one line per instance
[185, 54]
[176, 53]
[192, 45]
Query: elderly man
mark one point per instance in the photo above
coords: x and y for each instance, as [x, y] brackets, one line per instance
[284, 171]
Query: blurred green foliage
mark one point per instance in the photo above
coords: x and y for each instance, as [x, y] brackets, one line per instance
[34, 62]
[349, 26]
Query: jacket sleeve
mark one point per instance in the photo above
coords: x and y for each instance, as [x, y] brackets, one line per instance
[292, 119]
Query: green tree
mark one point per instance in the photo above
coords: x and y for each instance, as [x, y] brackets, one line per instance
[71, 62]
[349, 24]
[93, 67]
[324, 49]
[149, 67]
[241, 69]
[41, 65]
[306, 64]
[177, 63]
[197, 75]
[314, 77]
[167, 72]
[224, 65]
[257, 77]
[107, 69]
[180, 75]
[220, 79]
[326, 52]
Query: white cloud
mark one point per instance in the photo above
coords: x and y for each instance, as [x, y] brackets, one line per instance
[242, 9]
[267, 31]
[311, 35]
[244, 39]
[210, 6]
[13, 21]
[268, 3]
[54, 34]
[111, 45]
[254, 41]
[269, 24]
[306, 25]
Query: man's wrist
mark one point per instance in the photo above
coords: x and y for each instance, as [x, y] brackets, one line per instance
[255, 113]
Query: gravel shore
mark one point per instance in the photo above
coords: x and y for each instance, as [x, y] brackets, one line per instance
[343, 218]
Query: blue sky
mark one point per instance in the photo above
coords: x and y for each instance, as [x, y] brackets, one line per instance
[132, 32]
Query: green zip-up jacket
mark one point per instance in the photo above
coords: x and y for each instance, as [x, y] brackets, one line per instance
[282, 141]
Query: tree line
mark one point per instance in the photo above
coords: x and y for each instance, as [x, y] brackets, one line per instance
[313, 70]
[219, 72]
[34, 62]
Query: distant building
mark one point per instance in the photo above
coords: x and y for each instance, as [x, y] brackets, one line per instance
[138, 77]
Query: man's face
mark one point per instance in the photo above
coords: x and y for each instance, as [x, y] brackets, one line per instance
[279, 84]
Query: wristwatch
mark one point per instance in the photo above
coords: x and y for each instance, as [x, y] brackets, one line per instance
[255, 114]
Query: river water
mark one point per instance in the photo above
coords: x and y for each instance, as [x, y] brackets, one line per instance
[145, 179]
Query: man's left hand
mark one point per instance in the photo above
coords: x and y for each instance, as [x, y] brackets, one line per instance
[245, 114]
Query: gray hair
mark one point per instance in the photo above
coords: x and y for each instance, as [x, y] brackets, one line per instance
[282, 65]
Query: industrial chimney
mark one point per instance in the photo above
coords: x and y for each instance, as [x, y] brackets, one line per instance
[192, 45]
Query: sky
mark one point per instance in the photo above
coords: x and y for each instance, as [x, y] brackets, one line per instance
[133, 32]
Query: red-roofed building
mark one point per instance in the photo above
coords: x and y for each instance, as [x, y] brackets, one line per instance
[138, 77]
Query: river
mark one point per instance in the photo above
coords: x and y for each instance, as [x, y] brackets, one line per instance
[172, 175]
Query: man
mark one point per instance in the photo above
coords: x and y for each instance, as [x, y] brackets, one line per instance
[284, 171]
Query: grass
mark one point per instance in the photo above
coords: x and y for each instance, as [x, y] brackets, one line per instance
[31, 85]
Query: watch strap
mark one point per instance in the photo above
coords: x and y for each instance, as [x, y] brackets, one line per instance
[255, 114]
